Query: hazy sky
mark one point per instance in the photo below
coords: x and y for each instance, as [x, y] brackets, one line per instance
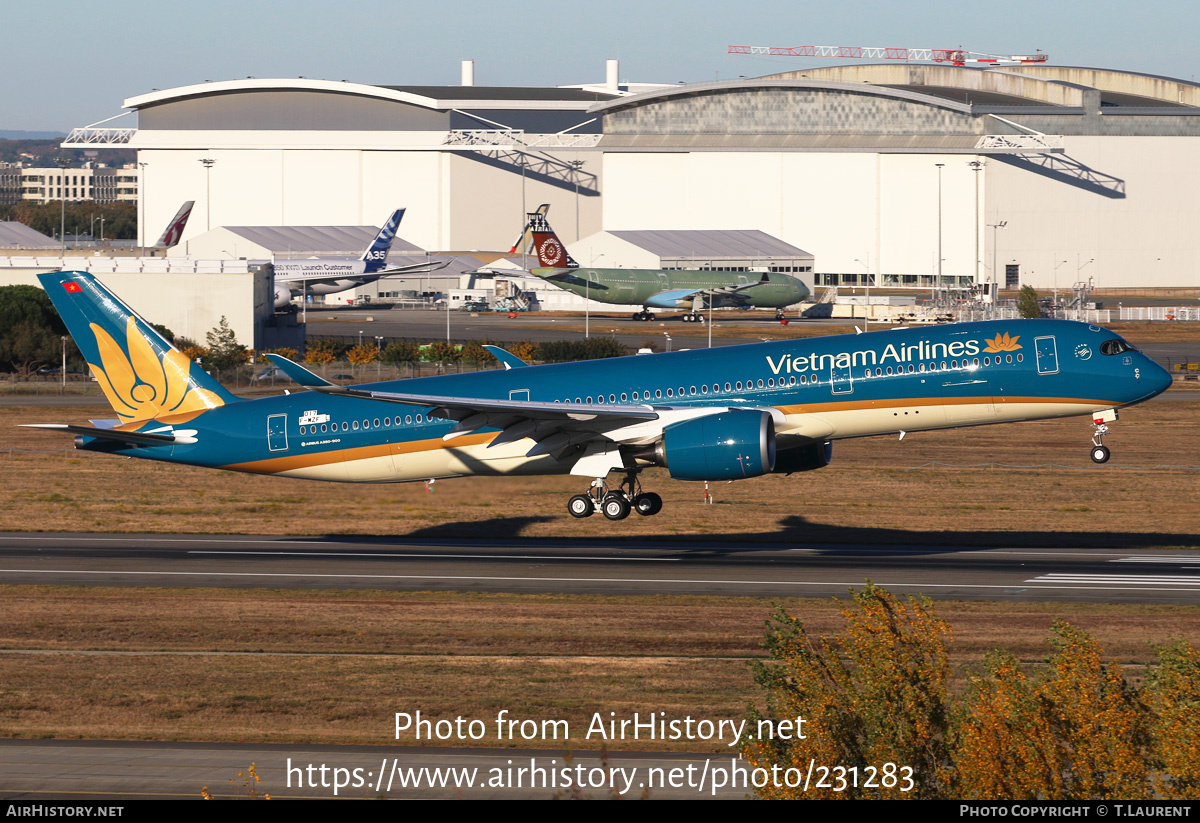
[69, 63]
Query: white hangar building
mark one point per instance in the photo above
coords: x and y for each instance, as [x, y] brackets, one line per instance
[1036, 175]
[1047, 174]
[468, 162]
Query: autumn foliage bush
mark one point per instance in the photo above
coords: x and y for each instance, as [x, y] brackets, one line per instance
[1073, 728]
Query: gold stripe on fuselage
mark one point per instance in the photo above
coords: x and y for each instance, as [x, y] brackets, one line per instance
[434, 457]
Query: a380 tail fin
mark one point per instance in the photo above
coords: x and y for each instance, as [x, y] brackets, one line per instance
[376, 254]
[143, 376]
[523, 239]
[174, 230]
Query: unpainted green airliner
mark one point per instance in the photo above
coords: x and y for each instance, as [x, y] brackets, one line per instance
[658, 288]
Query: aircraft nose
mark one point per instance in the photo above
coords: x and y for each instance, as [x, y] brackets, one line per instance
[1156, 377]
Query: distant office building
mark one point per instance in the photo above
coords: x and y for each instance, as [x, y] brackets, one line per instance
[99, 184]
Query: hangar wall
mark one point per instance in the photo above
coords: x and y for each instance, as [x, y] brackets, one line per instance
[455, 201]
[1137, 221]
[843, 207]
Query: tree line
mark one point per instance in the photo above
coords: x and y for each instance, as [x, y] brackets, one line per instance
[120, 219]
[1072, 728]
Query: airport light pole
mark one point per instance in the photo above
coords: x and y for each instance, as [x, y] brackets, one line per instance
[939, 252]
[208, 164]
[577, 165]
[867, 313]
[145, 202]
[995, 277]
[976, 166]
[62, 199]
[1056, 265]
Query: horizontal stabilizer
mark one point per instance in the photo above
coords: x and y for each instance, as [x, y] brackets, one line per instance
[510, 360]
[297, 372]
[117, 435]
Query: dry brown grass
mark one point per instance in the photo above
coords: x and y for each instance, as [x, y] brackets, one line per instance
[932, 486]
[333, 667]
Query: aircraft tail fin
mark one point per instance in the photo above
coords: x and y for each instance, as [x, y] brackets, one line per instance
[174, 230]
[523, 240]
[375, 257]
[551, 253]
[143, 376]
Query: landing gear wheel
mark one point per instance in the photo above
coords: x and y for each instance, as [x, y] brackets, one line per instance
[647, 504]
[581, 506]
[1100, 454]
[615, 507]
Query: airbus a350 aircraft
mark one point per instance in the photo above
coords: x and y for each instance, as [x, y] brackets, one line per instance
[655, 288]
[295, 278]
[712, 414]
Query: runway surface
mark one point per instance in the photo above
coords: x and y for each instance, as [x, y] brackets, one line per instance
[609, 567]
[34, 771]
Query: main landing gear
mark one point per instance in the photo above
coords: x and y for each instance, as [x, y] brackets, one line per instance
[692, 317]
[643, 315]
[615, 504]
[1100, 452]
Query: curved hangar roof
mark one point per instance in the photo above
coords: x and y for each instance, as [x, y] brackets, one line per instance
[324, 105]
[898, 107]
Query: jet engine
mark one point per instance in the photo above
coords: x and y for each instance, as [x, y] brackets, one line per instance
[727, 445]
[283, 296]
[804, 458]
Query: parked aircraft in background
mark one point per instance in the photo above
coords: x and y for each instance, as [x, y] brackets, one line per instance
[655, 288]
[174, 230]
[297, 278]
[726, 413]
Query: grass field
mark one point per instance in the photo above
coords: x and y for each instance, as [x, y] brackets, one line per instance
[260, 665]
[1031, 482]
[334, 667]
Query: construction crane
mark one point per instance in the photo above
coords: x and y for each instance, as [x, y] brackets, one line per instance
[957, 57]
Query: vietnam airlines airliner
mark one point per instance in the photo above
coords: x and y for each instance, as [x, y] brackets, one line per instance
[712, 414]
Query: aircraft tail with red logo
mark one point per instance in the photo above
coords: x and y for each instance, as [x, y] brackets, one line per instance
[551, 253]
[174, 230]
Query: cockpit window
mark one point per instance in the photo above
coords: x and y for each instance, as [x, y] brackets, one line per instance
[1115, 346]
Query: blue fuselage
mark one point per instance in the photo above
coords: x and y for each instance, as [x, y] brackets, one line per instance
[826, 388]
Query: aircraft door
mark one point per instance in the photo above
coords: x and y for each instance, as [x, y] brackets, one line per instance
[841, 379]
[277, 432]
[521, 395]
[1047, 355]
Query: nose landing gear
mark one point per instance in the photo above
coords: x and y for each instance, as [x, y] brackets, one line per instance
[617, 503]
[1100, 452]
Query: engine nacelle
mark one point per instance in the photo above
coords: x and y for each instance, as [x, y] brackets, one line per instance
[726, 445]
[804, 458]
[283, 296]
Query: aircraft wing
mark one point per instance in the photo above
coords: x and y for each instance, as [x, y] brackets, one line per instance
[554, 427]
[671, 299]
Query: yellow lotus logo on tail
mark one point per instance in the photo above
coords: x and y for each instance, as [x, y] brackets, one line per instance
[143, 386]
[1002, 342]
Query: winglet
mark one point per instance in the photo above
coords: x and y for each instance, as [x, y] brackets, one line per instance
[297, 372]
[510, 361]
